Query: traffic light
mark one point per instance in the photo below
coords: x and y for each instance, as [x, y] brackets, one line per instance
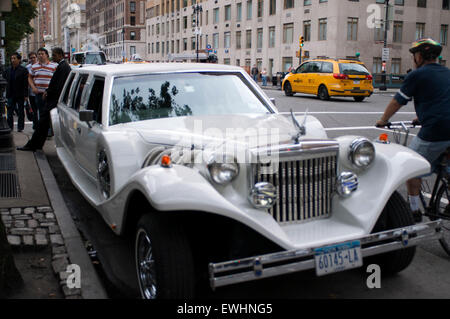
[302, 41]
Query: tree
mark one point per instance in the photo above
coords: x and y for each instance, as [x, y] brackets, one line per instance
[10, 277]
[17, 23]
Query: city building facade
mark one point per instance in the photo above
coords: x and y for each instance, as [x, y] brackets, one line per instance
[267, 32]
[120, 25]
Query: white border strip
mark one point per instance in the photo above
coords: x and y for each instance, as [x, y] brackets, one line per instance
[346, 113]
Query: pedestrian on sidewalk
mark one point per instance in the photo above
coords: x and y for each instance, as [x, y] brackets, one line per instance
[264, 77]
[39, 77]
[50, 97]
[255, 72]
[16, 91]
[32, 57]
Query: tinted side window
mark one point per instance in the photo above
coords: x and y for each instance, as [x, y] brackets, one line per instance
[303, 68]
[79, 91]
[314, 67]
[327, 67]
[96, 99]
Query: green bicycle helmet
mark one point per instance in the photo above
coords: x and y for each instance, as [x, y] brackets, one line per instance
[429, 48]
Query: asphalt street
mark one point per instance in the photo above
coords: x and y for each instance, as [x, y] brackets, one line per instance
[427, 277]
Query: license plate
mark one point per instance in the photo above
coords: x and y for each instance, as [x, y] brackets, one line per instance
[335, 258]
[356, 82]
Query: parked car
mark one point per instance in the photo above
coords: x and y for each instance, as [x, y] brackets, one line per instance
[330, 77]
[216, 187]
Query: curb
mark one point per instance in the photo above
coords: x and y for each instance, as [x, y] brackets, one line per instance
[91, 286]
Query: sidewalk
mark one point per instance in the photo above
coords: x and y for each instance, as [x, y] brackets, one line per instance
[40, 229]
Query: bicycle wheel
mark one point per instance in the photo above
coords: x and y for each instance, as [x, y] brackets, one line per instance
[442, 209]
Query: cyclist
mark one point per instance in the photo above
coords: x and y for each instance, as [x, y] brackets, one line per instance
[429, 85]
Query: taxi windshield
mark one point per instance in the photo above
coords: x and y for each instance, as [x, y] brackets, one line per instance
[145, 97]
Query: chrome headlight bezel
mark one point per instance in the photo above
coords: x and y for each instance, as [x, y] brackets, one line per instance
[361, 153]
[223, 169]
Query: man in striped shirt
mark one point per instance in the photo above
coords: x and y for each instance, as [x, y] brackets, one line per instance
[39, 77]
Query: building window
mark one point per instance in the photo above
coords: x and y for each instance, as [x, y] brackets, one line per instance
[132, 35]
[352, 29]
[271, 37]
[377, 64]
[249, 9]
[288, 33]
[288, 4]
[286, 63]
[444, 34]
[132, 6]
[422, 3]
[215, 41]
[238, 39]
[248, 39]
[239, 12]
[227, 40]
[398, 31]
[307, 30]
[216, 15]
[228, 13]
[322, 29]
[420, 30]
[272, 7]
[259, 42]
[260, 8]
[396, 66]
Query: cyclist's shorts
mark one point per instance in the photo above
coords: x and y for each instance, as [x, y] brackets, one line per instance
[430, 150]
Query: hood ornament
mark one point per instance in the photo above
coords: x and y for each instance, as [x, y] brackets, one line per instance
[301, 128]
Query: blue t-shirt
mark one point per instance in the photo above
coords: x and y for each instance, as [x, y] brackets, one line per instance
[430, 88]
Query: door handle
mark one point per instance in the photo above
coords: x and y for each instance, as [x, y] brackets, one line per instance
[79, 130]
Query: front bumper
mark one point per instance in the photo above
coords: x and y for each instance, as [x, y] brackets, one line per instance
[285, 262]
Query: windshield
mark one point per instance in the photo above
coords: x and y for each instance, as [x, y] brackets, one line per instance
[353, 69]
[144, 97]
[95, 58]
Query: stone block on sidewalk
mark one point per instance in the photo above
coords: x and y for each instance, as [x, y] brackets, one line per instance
[49, 216]
[60, 265]
[21, 231]
[41, 240]
[16, 211]
[53, 229]
[56, 239]
[21, 217]
[19, 224]
[37, 215]
[6, 218]
[44, 209]
[29, 211]
[14, 240]
[32, 223]
[28, 240]
[56, 250]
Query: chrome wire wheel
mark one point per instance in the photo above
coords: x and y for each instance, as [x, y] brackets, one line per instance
[442, 208]
[145, 264]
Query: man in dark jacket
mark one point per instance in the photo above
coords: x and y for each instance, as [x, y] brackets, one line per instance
[16, 91]
[51, 97]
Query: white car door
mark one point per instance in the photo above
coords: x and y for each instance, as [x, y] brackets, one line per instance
[63, 110]
[88, 133]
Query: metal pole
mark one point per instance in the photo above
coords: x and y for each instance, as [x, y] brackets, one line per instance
[300, 55]
[386, 26]
[196, 41]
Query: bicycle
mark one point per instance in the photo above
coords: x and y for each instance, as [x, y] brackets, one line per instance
[438, 206]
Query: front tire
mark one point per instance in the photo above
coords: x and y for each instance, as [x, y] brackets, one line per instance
[288, 89]
[163, 258]
[359, 98]
[396, 214]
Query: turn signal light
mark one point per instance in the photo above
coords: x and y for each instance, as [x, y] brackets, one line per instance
[369, 77]
[166, 161]
[383, 138]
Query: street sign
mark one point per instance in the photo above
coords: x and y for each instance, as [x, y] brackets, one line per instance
[385, 54]
[208, 46]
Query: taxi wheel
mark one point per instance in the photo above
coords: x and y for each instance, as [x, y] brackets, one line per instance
[359, 98]
[396, 214]
[288, 89]
[323, 93]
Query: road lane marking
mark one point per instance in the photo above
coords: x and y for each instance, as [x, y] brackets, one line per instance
[346, 113]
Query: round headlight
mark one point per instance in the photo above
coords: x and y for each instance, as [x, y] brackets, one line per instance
[223, 170]
[362, 152]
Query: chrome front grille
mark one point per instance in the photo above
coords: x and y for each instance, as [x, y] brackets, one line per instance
[304, 187]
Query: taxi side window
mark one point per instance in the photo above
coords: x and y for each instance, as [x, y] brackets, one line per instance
[327, 67]
[303, 68]
[314, 67]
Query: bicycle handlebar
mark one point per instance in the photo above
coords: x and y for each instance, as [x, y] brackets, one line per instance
[401, 124]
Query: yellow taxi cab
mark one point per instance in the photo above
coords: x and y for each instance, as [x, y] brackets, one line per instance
[330, 77]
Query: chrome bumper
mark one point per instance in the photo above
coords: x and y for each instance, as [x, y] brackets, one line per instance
[258, 267]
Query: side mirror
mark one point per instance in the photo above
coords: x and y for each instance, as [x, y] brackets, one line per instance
[272, 99]
[86, 116]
